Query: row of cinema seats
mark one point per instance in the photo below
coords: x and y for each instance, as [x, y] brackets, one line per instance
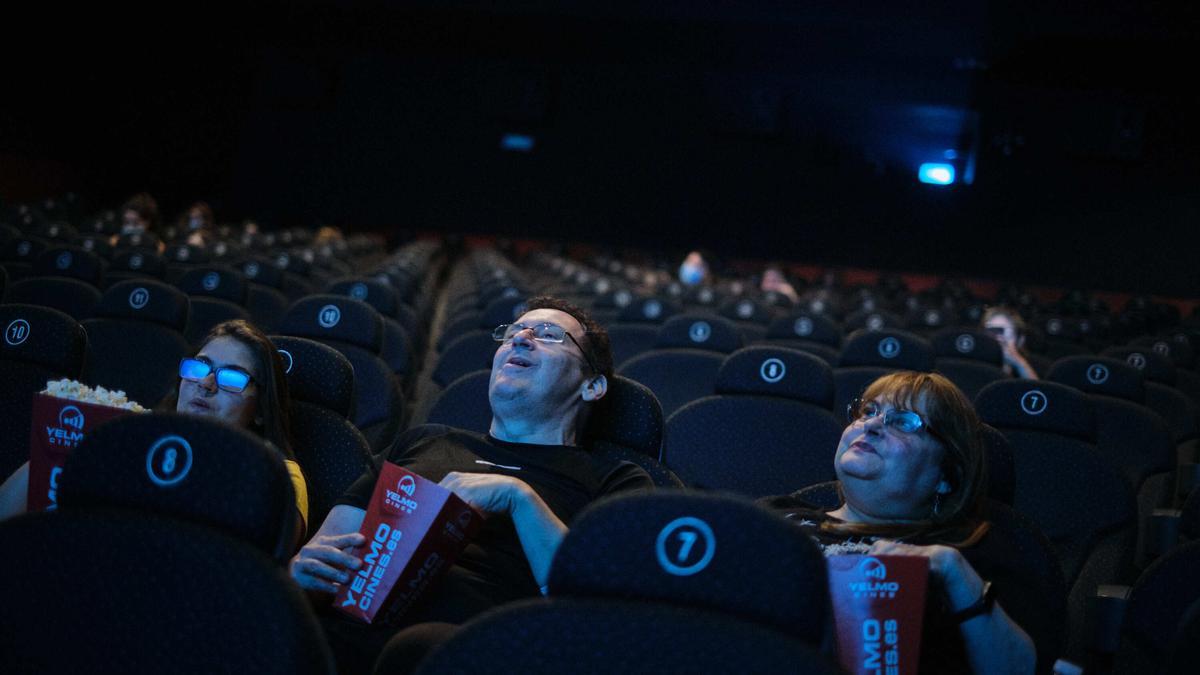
[233, 504]
[136, 337]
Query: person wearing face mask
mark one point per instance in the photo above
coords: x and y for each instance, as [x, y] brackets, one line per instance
[196, 224]
[1007, 326]
[694, 269]
[530, 475]
[912, 480]
[237, 378]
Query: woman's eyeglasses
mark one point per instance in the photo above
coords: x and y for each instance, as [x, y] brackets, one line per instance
[229, 378]
[542, 332]
[904, 421]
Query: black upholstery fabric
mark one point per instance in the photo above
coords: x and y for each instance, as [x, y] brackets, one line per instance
[630, 339]
[332, 454]
[624, 548]
[822, 351]
[335, 318]
[805, 325]
[1158, 602]
[70, 296]
[594, 636]
[375, 293]
[95, 243]
[469, 352]
[38, 344]
[894, 349]
[213, 281]
[1181, 654]
[753, 445]
[775, 371]
[967, 343]
[1001, 470]
[1133, 438]
[190, 468]
[648, 310]
[144, 300]
[24, 249]
[55, 231]
[379, 406]
[1037, 405]
[261, 270]
[676, 376]
[746, 309]
[142, 262]
[266, 306]
[140, 241]
[698, 331]
[3, 282]
[186, 254]
[398, 351]
[317, 373]
[1189, 519]
[464, 403]
[969, 375]
[502, 310]
[1156, 367]
[69, 261]
[463, 323]
[206, 313]
[124, 592]
[1101, 375]
[628, 416]
[873, 320]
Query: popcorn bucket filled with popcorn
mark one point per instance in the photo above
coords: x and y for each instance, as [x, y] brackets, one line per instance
[62, 415]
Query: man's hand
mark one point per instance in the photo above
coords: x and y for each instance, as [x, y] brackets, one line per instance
[324, 562]
[487, 492]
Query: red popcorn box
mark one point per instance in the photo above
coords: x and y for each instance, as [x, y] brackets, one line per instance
[415, 529]
[878, 605]
[59, 424]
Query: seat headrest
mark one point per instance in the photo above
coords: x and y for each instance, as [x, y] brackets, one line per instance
[805, 325]
[292, 261]
[746, 309]
[261, 271]
[692, 550]
[215, 282]
[144, 300]
[375, 293]
[335, 317]
[777, 371]
[317, 373]
[648, 310]
[1155, 366]
[69, 261]
[1177, 347]
[699, 331]
[186, 467]
[95, 243]
[1100, 375]
[1037, 405]
[43, 336]
[968, 343]
[889, 348]
[628, 415]
[502, 310]
[146, 241]
[187, 254]
[24, 248]
[144, 262]
[873, 319]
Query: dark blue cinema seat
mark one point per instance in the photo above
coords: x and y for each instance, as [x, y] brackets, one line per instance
[332, 452]
[75, 298]
[136, 339]
[970, 358]
[399, 345]
[355, 329]
[807, 331]
[217, 295]
[867, 355]
[37, 344]
[688, 352]
[70, 261]
[636, 327]
[134, 264]
[683, 583]
[766, 430]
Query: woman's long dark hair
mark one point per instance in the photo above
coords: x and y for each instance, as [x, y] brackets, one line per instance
[273, 422]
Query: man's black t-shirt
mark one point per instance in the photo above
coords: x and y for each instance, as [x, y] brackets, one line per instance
[493, 569]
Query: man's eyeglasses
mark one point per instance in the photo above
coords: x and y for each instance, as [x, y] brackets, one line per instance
[229, 378]
[542, 332]
[904, 421]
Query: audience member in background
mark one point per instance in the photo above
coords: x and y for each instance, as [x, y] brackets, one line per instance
[236, 377]
[773, 280]
[912, 480]
[139, 214]
[196, 224]
[694, 269]
[528, 474]
[1007, 326]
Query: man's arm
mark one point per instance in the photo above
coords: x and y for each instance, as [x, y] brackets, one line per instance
[538, 529]
[324, 562]
[14, 493]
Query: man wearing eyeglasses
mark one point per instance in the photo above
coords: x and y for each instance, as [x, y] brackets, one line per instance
[528, 474]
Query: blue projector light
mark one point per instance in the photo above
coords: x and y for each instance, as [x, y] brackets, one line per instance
[516, 142]
[936, 174]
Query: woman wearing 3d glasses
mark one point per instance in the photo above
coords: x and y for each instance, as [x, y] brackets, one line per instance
[237, 378]
[912, 480]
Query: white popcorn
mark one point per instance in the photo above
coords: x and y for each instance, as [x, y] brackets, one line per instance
[77, 391]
